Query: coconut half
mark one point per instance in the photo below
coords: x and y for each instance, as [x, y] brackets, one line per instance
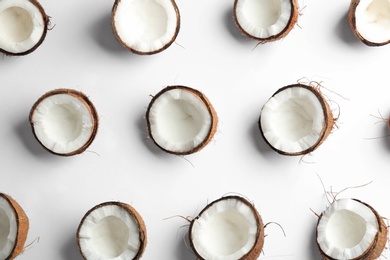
[296, 120]
[23, 26]
[64, 121]
[181, 120]
[229, 228]
[145, 26]
[370, 21]
[112, 230]
[265, 20]
[14, 227]
[351, 229]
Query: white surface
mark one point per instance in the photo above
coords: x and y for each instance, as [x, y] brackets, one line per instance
[122, 164]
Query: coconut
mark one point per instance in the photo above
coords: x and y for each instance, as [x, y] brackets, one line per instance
[351, 229]
[64, 121]
[296, 120]
[145, 26]
[112, 230]
[229, 228]
[14, 227]
[23, 26]
[265, 20]
[181, 120]
[370, 21]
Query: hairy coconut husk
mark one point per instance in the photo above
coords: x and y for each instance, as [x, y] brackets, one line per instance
[254, 253]
[140, 223]
[378, 244]
[84, 99]
[206, 102]
[329, 120]
[22, 223]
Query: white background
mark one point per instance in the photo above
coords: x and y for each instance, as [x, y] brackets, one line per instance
[122, 164]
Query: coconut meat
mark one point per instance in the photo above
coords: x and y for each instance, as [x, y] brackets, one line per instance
[21, 25]
[226, 230]
[263, 18]
[346, 229]
[179, 120]
[146, 25]
[8, 228]
[373, 20]
[293, 120]
[109, 232]
[63, 123]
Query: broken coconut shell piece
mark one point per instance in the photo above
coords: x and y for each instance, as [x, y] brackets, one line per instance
[64, 121]
[14, 225]
[145, 26]
[265, 20]
[363, 234]
[227, 228]
[296, 120]
[181, 120]
[112, 230]
[370, 21]
[23, 26]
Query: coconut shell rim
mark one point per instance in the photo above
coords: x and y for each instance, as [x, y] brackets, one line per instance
[132, 212]
[83, 98]
[208, 105]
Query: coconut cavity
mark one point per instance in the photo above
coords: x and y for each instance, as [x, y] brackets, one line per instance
[351, 229]
[370, 21]
[265, 20]
[14, 227]
[296, 120]
[64, 121]
[23, 26]
[112, 230]
[181, 120]
[228, 228]
[146, 26]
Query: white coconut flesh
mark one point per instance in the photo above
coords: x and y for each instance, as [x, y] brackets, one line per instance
[63, 123]
[263, 18]
[146, 25]
[373, 20]
[292, 120]
[226, 230]
[21, 25]
[8, 228]
[109, 232]
[179, 120]
[346, 229]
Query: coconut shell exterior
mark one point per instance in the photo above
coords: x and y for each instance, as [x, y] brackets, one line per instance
[22, 223]
[84, 99]
[352, 22]
[378, 244]
[290, 25]
[118, 37]
[255, 252]
[328, 124]
[46, 20]
[132, 212]
[207, 103]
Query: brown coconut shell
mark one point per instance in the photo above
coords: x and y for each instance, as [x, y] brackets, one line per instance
[328, 124]
[377, 245]
[22, 223]
[290, 25]
[208, 105]
[132, 212]
[254, 253]
[118, 37]
[85, 100]
[352, 23]
[46, 20]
